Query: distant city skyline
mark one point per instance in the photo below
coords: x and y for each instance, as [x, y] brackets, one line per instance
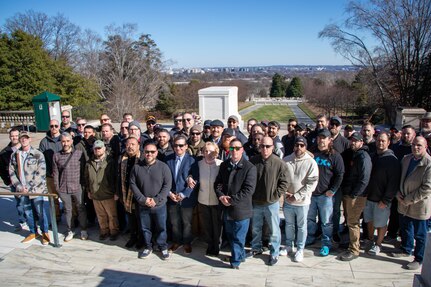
[219, 33]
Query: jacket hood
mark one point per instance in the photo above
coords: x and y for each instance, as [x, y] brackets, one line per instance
[51, 138]
[387, 152]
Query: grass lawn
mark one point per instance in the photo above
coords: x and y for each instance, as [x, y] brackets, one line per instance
[272, 113]
[243, 105]
[307, 111]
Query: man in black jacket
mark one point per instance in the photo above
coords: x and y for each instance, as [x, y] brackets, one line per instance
[384, 183]
[234, 186]
[354, 195]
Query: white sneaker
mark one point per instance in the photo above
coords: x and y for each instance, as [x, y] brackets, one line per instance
[69, 236]
[374, 250]
[299, 256]
[284, 251]
[21, 226]
[84, 235]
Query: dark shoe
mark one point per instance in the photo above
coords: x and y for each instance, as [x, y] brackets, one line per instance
[272, 260]
[174, 247]
[212, 253]
[399, 254]
[103, 236]
[348, 256]
[414, 265]
[132, 241]
[140, 244]
[336, 238]
[187, 248]
[145, 253]
[253, 253]
[113, 237]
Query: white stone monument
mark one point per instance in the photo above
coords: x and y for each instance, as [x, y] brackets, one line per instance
[219, 103]
[424, 279]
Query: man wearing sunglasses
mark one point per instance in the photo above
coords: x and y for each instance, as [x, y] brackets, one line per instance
[234, 186]
[50, 145]
[272, 183]
[182, 199]
[66, 124]
[303, 175]
[150, 181]
[233, 123]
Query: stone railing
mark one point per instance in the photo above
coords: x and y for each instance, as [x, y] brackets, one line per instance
[10, 119]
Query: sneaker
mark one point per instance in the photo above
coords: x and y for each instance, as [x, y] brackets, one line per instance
[299, 256]
[84, 235]
[389, 239]
[145, 253]
[283, 251]
[324, 251]
[272, 260]
[414, 265]
[399, 254]
[367, 244]
[21, 226]
[45, 238]
[374, 250]
[69, 236]
[252, 253]
[166, 255]
[348, 256]
[29, 238]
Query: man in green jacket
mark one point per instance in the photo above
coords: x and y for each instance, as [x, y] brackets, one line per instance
[100, 177]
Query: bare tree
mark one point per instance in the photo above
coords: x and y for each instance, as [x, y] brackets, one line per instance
[399, 47]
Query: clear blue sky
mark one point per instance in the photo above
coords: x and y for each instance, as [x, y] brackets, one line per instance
[204, 33]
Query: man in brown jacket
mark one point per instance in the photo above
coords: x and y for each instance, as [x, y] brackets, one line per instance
[414, 202]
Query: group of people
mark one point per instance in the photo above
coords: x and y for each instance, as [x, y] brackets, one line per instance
[207, 179]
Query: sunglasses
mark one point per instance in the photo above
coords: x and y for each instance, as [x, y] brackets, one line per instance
[300, 145]
[265, 146]
[237, 148]
[231, 122]
[82, 124]
[179, 145]
[187, 119]
[178, 121]
[195, 134]
[65, 116]
[53, 126]
[150, 151]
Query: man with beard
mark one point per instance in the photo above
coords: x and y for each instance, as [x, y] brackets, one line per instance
[195, 141]
[164, 146]
[127, 161]
[273, 128]
[188, 122]
[79, 132]
[288, 140]
[67, 171]
[368, 132]
[233, 123]
[321, 123]
[150, 181]
[426, 125]
[216, 132]
[178, 125]
[354, 195]
[66, 124]
[252, 149]
[339, 143]
[383, 185]
[303, 175]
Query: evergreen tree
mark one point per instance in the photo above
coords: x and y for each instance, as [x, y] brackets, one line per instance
[294, 90]
[278, 86]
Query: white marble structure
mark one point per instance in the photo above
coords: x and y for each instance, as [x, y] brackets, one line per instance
[219, 103]
[424, 279]
[409, 116]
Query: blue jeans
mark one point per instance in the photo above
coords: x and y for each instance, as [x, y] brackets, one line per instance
[295, 216]
[269, 213]
[336, 214]
[36, 204]
[157, 217]
[320, 205]
[19, 206]
[181, 223]
[413, 230]
[236, 231]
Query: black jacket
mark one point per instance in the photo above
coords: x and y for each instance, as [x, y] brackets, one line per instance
[331, 171]
[4, 164]
[385, 177]
[239, 183]
[358, 177]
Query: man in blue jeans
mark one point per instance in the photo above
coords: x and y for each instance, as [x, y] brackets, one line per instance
[27, 170]
[331, 172]
[414, 199]
[234, 186]
[150, 181]
[303, 175]
[271, 185]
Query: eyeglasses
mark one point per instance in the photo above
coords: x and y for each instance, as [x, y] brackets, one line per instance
[82, 124]
[104, 120]
[189, 119]
[299, 145]
[53, 126]
[151, 123]
[265, 146]
[150, 151]
[179, 145]
[237, 148]
[195, 134]
[65, 116]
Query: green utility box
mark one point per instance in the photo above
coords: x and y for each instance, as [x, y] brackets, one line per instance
[46, 107]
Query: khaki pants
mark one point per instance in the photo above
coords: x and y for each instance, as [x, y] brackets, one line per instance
[106, 211]
[51, 189]
[353, 208]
